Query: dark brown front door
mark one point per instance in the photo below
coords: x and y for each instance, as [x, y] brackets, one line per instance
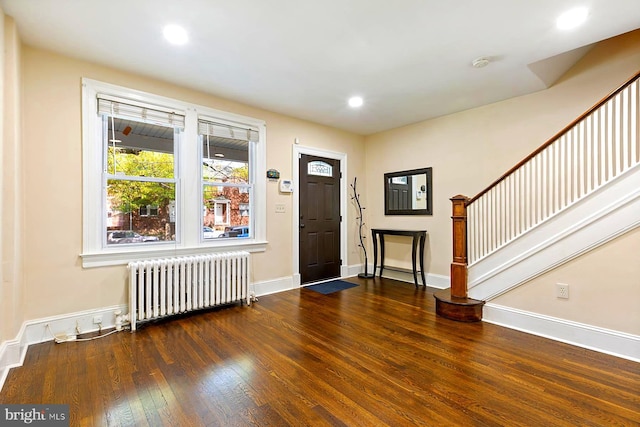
[319, 218]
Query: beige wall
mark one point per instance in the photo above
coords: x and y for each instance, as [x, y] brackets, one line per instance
[469, 150]
[4, 332]
[55, 281]
[604, 288]
[11, 289]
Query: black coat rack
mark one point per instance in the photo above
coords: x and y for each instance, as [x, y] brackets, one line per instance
[356, 197]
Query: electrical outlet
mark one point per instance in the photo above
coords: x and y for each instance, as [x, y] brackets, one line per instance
[97, 320]
[562, 290]
[280, 208]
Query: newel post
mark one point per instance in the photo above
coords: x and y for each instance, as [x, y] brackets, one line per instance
[459, 264]
[453, 303]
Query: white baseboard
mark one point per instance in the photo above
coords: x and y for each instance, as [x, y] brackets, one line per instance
[433, 280]
[36, 331]
[274, 286]
[626, 346]
[438, 281]
[354, 270]
[351, 270]
[12, 352]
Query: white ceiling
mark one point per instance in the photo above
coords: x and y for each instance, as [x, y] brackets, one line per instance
[409, 59]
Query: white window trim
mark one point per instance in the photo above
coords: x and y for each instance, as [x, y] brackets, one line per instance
[189, 221]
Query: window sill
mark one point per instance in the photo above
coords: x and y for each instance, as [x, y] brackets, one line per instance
[123, 257]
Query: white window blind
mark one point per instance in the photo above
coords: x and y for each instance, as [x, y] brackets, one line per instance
[141, 113]
[220, 130]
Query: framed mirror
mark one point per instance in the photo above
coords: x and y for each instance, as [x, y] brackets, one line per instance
[408, 192]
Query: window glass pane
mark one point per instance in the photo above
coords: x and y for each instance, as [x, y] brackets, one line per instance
[225, 171]
[128, 200]
[138, 149]
[225, 160]
[226, 211]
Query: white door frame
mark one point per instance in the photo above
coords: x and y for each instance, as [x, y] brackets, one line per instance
[298, 150]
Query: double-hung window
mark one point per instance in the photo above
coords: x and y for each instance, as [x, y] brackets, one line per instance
[140, 174]
[144, 157]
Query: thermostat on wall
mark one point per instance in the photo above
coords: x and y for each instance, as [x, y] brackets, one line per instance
[286, 186]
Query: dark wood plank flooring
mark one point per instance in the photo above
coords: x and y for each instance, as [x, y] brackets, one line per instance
[373, 355]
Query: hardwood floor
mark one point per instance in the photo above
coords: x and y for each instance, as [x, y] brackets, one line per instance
[372, 355]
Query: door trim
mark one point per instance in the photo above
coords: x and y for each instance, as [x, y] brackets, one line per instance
[295, 256]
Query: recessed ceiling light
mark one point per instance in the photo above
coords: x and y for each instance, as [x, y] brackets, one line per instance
[175, 34]
[572, 18]
[355, 102]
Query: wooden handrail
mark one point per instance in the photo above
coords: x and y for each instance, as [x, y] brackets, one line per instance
[555, 137]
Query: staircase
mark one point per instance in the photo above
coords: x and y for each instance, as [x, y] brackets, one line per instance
[577, 191]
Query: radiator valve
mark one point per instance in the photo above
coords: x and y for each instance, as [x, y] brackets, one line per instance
[120, 319]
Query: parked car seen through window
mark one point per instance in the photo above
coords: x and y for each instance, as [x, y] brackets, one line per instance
[128, 236]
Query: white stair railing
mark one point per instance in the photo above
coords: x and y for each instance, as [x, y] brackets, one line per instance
[595, 149]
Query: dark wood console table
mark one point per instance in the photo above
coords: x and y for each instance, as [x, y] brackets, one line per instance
[419, 236]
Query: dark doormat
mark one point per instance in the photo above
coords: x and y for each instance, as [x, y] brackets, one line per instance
[332, 286]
